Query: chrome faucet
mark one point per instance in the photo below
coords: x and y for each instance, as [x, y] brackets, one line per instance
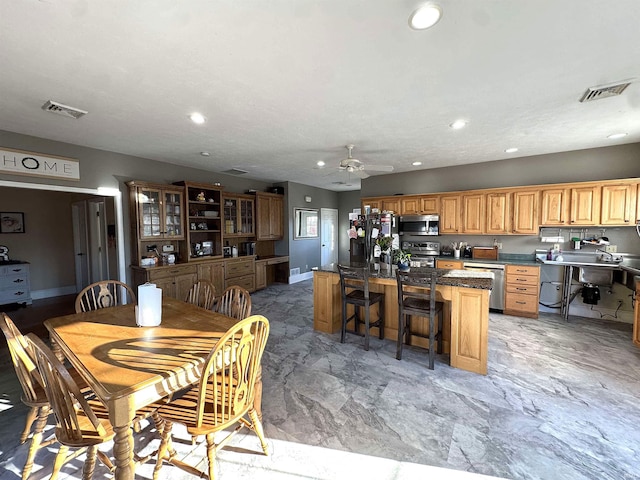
[606, 253]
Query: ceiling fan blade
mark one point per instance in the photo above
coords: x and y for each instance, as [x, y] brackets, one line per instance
[361, 174]
[378, 168]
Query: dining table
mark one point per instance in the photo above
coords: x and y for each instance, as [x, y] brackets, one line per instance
[130, 367]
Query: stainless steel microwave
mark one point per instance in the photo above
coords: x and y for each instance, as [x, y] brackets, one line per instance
[419, 225]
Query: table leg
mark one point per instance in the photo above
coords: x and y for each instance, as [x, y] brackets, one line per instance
[121, 418]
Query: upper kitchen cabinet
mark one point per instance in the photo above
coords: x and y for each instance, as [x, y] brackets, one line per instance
[585, 205]
[204, 230]
[525, 212]
[618, 204]
[410, 205]
[429, 204]
[391, 204]
[555, 206]
[638, 204]
[473, 213]
[498, 213]
[371, 203]
[238, 215]
[157, 218]
[450, 213]
[270, 223]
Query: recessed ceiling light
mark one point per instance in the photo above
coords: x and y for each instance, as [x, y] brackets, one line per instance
[320, 163]
[425, 17]
[458, 124]
[613, 136]
[205, 154]
[416, 163]
[511, 150]
[197, 118]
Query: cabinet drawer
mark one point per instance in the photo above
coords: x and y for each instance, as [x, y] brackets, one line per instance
[239, 268]
[522, 289]
[14, 270]
[522, 280]
[521, 302]
[450, 264]
[10, 282]
[14, 295]
[248, 282]
[522, 270]
[171, 271]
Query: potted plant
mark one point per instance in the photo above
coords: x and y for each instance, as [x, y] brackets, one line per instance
[401, 258]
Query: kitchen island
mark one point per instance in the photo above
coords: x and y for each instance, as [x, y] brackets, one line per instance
[466, 308]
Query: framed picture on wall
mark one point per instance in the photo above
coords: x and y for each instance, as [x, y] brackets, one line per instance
[11, 222]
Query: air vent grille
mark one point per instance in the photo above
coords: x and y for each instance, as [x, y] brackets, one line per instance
[595, 93]
[235, 171]
[64, 110]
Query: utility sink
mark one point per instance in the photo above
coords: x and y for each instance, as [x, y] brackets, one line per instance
[595, 275]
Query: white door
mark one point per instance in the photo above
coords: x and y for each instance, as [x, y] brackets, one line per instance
[96, 221]
[329, 236]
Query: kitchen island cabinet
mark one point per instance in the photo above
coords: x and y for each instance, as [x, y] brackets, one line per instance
[466, 297]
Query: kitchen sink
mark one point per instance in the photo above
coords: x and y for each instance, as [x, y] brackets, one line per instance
[595, 275]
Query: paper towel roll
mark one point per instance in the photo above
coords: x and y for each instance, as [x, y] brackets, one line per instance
[149, 309]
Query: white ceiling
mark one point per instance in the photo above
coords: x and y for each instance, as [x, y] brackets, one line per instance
[285, 83]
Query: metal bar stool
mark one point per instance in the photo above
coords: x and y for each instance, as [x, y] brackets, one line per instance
[354, 286]
[414, 299]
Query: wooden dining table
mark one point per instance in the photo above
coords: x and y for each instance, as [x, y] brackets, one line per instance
[130, 367]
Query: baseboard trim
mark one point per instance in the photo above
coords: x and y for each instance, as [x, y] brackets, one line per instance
[300, 278]
[53, 292]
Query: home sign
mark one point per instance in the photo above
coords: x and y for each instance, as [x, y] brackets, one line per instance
[20, 162]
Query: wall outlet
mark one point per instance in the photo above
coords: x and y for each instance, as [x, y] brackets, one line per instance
[499, 244]
[556, 246]
[611, 248]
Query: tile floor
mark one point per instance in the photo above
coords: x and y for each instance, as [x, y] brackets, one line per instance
[560, 401]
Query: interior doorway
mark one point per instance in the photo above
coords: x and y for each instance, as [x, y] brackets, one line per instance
[329, 236]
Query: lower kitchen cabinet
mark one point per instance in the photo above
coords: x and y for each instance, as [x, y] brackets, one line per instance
[175, 280]
[450, 264]
[271, 270]
[213, 272]
[522, 290]
[240, 271]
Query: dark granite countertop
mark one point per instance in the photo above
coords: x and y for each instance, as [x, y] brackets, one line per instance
[503, 259]
[453, 278]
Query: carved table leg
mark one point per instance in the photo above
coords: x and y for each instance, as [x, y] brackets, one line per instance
[123, 452]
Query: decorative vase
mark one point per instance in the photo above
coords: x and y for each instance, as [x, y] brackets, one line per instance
[403, 267]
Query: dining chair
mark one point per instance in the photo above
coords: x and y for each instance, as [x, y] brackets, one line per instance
[354, 290]
[103, 294]
[223, 398]
[202, 294]
[417, 296]
[81, 419]
[235, 302]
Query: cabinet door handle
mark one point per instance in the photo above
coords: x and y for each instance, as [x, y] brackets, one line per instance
[521, 303]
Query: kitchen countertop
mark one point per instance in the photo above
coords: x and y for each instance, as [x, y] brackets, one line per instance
[503, 259]
[453, 278]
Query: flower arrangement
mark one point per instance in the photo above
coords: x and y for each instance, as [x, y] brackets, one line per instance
[401, 257]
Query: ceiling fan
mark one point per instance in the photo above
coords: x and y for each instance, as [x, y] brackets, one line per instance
[355, 166]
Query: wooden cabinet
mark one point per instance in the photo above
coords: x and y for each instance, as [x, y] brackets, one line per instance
[238, 215]
[15, 284]
[270, 223]
[157, 217]
[429, 204]
[554, 209]
[525, 212]
[271, 270]
[175, 281]
[522, 285]
[585, 205]
[450, 213]
[261, 274]
[371, 203]
[204, 222]
[618, 204]
[498, 213]
[391, 204]
[410, 205]
[213, 271]
[473, 213]
[450, 264]
[240, 271]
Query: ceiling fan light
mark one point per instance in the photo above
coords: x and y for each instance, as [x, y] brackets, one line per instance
[320, 163]
[425, 17]
[613, 136]
[415, 164]
[197, 118]
[458, 124]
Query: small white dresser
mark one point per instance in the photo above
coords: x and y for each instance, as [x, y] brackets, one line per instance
[14, 284]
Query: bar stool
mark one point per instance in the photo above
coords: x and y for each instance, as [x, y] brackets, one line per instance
[354, 286]
[413, 299]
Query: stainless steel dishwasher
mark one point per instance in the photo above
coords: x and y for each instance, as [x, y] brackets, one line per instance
[496, 299]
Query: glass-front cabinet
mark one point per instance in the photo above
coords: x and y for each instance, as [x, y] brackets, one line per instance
[238, 215]
[160, 213]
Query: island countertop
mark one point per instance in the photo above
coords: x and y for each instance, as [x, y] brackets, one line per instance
[452, 278]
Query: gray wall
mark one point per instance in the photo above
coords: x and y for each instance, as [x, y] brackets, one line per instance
[621, 161]
[305, 253]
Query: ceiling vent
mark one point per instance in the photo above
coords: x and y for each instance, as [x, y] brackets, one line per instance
[64, 110]
[604, 91]
[235, 171]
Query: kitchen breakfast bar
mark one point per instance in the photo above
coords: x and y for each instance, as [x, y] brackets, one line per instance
[466, 310]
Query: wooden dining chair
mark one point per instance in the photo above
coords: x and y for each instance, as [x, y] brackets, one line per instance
[103, 294]
[81, 419]
[202, 294]
[235, 302]
[223, 398]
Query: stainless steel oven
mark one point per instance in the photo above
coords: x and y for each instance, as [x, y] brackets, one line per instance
[423, 254]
